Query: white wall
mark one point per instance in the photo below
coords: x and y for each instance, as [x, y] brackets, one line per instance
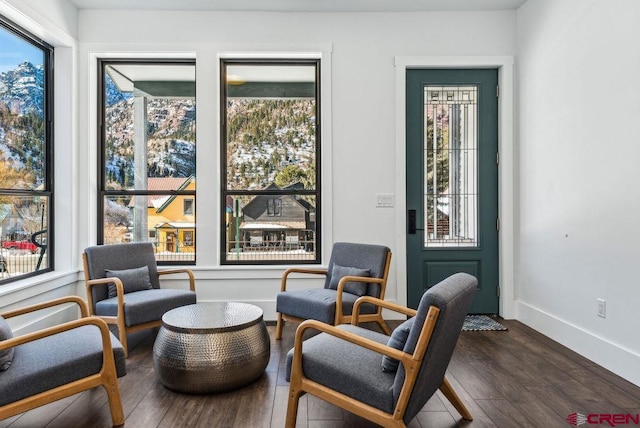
[361, 49]
[579, 198]
[55, 21]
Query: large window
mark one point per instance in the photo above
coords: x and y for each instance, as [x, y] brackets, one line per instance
[147, 162]
[26, 147]
[270, 161]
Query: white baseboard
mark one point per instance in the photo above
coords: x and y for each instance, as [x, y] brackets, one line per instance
[614, 358]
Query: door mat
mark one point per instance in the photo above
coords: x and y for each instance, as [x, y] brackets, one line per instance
[481, 323]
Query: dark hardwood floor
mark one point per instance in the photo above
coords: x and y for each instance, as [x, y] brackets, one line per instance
[515, 378]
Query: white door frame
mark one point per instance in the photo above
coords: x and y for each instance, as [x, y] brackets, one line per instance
[506, 176]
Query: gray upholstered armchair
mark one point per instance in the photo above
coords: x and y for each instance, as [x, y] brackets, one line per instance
[354, 270]
[384, 379]
[123, 287]
[46, 365]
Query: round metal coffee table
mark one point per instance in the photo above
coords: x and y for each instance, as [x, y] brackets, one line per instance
[211, 347]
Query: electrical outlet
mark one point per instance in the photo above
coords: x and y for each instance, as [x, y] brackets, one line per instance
[602, 308]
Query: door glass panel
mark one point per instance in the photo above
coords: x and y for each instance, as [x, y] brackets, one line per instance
[450, 146]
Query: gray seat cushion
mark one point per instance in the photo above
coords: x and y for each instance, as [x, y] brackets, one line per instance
[146, 305]
[56, 360]
[318, 304]
[348, 368]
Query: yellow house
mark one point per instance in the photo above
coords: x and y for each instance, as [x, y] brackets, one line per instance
[172, 218]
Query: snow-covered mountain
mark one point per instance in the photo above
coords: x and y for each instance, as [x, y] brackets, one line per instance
[264, 137]
[267, 136]
[22, 125]
[22, 89]
[170, 138]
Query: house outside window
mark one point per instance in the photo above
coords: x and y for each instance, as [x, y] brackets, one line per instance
[147, 156]
[270, 161]
[26, 154]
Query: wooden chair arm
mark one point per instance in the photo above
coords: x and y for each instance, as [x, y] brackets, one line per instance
[349, 337]
[343, 281]
[90, 283]
[312, 271]
[70, 325]
[189, 272]
[378, 302]
[369, 279]
[84, 311]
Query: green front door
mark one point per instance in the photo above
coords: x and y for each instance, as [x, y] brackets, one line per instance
[452, 180]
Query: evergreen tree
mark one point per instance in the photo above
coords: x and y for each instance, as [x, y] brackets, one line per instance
[290, 174]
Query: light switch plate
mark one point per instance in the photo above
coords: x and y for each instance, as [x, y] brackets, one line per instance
[384, 200]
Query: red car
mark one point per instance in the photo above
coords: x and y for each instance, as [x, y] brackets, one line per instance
[21, 245]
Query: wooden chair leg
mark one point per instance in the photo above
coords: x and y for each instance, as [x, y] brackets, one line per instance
[383, 325]
[122, 336]
[279, 325]
[451, 395]
[292, 407]
[115, 401]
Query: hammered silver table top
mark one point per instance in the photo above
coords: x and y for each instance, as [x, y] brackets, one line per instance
[212, 317]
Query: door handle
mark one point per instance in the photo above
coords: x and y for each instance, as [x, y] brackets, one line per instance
[411, 222]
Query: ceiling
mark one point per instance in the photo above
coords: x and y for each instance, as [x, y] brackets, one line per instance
[303, 5]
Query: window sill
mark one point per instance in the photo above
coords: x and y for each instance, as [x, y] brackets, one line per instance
[37, 285]
[247, 271]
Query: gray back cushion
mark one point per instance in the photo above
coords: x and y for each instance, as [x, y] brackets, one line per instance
[353, 287]
[453, 297]
[101, 258]
[360, 256]
[397, 340]
[135, 279]
[6, 355]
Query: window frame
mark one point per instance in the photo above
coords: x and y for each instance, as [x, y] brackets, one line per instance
[188, 242]
[283, 60]
[277, 207]
[190, 203]
[48, 191]
[103, 193]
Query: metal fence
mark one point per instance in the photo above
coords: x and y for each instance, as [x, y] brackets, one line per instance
[271, 250]
[15, 263]
[246, 250]
[175, 251]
